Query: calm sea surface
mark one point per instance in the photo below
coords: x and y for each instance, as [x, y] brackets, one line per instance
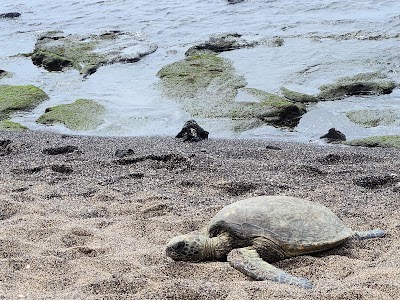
[324, 40]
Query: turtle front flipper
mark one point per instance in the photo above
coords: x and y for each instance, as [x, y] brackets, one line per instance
[370, 234]
[247, 261]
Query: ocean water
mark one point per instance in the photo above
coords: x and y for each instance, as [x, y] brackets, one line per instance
[324, 40]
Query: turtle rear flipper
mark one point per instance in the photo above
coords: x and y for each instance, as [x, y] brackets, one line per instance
[247, 261]
[370, 234]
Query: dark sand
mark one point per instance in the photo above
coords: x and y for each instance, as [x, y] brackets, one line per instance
[90, 225]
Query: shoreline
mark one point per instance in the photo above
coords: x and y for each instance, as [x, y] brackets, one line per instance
[79, 222]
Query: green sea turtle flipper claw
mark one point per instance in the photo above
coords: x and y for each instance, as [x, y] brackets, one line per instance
[248, 261]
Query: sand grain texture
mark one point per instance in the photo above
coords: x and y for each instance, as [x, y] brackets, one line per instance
[79, 222]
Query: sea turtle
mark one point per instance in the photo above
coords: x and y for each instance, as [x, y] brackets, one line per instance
[254, 232]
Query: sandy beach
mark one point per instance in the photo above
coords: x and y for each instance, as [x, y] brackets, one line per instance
[89, 217]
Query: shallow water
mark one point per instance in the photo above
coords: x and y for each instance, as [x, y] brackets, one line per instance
[324, 40]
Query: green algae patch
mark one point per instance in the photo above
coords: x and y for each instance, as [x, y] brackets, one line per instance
[362, 84]
[19, 98]
[205, 84]
[11, 126]
[82, 114]
[297, 96]
[374, 117]
[386, 141]
[188, 76]
[270, 108]
[55, 51]
[373, 83]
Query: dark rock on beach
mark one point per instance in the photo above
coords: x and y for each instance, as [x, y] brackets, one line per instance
[5, 147]
[120, 153]
[221, 43]
[10, 15]
[375, 181]
[334, 136]
[192, 132]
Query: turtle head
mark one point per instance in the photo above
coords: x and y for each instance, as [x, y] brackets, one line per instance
[189, 247]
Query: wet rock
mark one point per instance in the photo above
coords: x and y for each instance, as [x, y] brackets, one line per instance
[120, 153]
[62, 169]
[55, 51]
[10, 15]
[385, 141]
[270, 108]
[60, 150]
[207, 86]
[221, 43]
[334, 136]
[82, 114]
[19, 98]
[374, 117]
[3, 74]
[235, 1]
[360, 84]
[192, 132]
[298, 97]
[5, 147]
[376, 181]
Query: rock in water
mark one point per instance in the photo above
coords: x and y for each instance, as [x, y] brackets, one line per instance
[334, 136]
[10, 15]
[192, 132]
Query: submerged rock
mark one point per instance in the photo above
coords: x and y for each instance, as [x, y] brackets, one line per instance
[3, 73]
[297, 96]
[10, 15]
[82, 114]
[55, 51]
[207, 86]
[269, 108]
[192, 132]
[334, 136]
[385, 141]
[363, 84]
[235, 1]
[374, 117]
[220, 43]
[16, 98]
[358, 85]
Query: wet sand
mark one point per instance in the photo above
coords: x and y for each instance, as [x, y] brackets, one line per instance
[79, 222]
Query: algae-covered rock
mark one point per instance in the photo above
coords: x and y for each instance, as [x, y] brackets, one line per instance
[82, 114]
[385, 141]
[297, 96]
[12, 126]
[363, 84]
[221, 43]
[269, 108]
[4, 74]
[15, 98]
[54, 51]
[374, 117]
[374, 83]
[207, 85]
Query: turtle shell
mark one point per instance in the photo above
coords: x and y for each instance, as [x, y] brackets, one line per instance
[295, 225]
